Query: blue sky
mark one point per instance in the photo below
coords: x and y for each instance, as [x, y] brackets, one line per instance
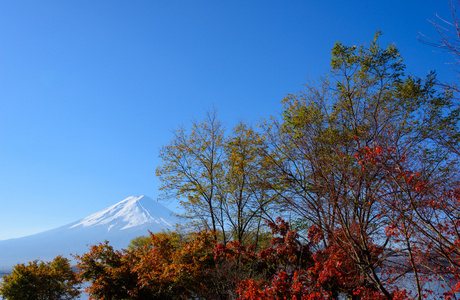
[91, 90]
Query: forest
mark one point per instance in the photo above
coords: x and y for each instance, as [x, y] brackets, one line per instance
[352, 192]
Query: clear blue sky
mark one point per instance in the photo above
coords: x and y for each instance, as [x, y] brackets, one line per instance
[90, 90]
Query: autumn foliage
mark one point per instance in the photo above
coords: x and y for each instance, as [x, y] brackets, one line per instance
[295, 270]
[419, 238]
[40, 280]
[287, 269]
[159, 270]
[423, 221]
[365, 163]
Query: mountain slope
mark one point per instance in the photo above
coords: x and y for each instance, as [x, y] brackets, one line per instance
[118, 224]
[131, 212]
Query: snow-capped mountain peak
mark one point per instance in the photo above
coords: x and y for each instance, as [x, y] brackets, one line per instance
[118, 224]
[130, 212]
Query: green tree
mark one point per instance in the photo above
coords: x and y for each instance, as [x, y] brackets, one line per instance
[40, 280]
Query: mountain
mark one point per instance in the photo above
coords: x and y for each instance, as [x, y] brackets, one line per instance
[118, 224]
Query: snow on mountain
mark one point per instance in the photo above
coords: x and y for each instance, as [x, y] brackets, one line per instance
[131, 212]
[118, 224]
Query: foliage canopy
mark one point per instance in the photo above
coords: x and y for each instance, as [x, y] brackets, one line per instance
[40, 280]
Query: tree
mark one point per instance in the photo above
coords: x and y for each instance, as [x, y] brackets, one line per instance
[366, 101]
[301, 271]
[176, 272]
[192, 170]
[447, 122]
[449, 32]
[425, 221]
[219, 180]
[110, 273]
[40, 280]
[365, 159]
[201, 269]
[161, 269]
[245, 196]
